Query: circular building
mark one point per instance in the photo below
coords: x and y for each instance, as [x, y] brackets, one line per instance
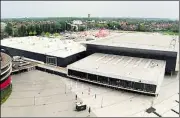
[5, 83]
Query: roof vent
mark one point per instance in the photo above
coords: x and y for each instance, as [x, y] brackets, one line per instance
[153, 65]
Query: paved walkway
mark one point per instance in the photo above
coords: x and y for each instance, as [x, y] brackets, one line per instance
[116, 103]
[40, 94]
[37, 93]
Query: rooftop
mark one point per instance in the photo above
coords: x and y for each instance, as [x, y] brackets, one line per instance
[151, 41]
[43, 45]
[130, 68]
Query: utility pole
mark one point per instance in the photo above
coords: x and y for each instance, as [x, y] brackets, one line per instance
[101, 102]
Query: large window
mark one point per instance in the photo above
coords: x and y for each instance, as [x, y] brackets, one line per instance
[77, 74]
[92, 77]
[138, 86]
[128, 84]
[103, 79]
[119, 82]
[113, 81]
[150, 88]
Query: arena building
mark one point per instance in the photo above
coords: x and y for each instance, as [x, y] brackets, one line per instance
[143, 45]
[131, 61]
[6, 69]
[48, 50]
[130, 73]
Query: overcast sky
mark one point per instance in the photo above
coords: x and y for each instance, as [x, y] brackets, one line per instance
[148, 9]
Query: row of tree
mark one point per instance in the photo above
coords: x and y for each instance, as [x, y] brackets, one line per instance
[30, 27]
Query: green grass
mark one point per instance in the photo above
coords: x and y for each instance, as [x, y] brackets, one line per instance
[7, 94]
[162, 32]
[169, 33]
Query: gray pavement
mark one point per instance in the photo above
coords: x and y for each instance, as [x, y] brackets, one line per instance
[40, 94]
[37, 93]
[117, 103]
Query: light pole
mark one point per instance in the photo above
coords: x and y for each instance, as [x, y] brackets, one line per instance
[65, 88]
[101, 102]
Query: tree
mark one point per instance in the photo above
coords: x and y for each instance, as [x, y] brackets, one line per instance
[82, 28]
[34, 33]
[30, 33]
[8, 29]
[15, 32]
[57, 27]
[22, 30]
[175, 28]
[42, 34]
[141, 27]
[3, 34]
[38, 29]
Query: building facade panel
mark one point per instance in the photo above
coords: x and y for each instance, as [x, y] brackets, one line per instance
[114, 82]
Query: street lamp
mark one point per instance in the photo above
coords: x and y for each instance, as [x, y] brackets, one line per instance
[101, 102]
[65, 88]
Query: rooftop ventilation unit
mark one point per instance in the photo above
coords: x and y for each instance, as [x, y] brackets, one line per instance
[153, 65]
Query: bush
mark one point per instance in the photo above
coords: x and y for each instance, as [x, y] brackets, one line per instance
[47, 34]
[5, 93]
[56, 34]
[42, 34]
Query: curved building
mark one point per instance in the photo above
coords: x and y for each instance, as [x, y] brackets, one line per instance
[6, 69]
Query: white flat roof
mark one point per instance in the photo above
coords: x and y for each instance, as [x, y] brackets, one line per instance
[43, 45]
[131, 68]
[140, 40]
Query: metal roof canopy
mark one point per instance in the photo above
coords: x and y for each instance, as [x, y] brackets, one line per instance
[134, 69]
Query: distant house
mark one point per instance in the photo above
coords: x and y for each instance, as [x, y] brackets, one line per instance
[77, 22]
[74, 27]
[91, 21]
[102, 22]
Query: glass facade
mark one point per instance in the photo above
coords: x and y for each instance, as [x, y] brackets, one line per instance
[115, 82]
